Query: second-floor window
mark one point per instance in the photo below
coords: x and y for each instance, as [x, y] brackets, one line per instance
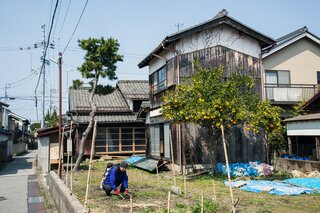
[277, 77]
[318, 77]
[159, 79]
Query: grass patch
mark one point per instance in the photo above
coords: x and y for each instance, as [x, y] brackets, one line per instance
[147, 197]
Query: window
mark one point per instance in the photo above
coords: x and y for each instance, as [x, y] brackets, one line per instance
[277, 77]
[159, 140]
[136, 105]
[318, 77]
[120, 139]
[159, 79]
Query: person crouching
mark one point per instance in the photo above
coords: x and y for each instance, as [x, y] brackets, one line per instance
[116, 177]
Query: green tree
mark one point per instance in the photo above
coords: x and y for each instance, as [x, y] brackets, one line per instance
[99, 61]
[215, 102]
[52, 119]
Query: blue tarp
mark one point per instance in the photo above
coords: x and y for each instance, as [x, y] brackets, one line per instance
[313, 183]
[255, 168]
[272, 187]
[133, 159]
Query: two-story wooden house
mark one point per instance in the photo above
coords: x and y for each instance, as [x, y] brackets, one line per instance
[221, 40]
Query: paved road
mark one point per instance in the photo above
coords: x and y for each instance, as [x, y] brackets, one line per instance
[19, 187]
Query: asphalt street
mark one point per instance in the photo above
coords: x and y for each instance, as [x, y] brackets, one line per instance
[19, 187]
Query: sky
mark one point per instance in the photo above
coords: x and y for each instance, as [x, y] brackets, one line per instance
[138, 25]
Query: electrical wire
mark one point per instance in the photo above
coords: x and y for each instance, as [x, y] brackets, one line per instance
[65, 17]
[76, 26]
[47, 44]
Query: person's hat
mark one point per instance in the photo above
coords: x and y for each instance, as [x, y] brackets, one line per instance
[124, 164]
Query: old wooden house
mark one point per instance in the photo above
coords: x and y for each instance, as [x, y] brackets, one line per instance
[221, 40]
[119, 132]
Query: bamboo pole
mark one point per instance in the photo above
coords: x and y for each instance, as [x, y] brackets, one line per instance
[68, 154]
[202, 202]
[157, 176]
[214, 191]
[131, 204]
[172, 160]
[90, 164]
[185, 185]
[227, 164]
[71, 185]
[168, 204]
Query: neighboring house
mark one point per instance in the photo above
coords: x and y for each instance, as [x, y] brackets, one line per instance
[304, 139]
[19, 126]
[119, 132]
[222, 40]
[14, 129]
[292, 68]
[304, 131]
[5, 134]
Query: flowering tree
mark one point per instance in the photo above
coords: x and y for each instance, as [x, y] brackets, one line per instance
[211, 100]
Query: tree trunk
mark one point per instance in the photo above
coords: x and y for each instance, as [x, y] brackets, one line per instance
[85, 134]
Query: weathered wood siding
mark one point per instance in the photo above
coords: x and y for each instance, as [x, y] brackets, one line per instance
[182, 66]
[242, 146]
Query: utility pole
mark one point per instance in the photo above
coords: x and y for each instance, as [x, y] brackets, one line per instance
[43, 74]
[5, 93]
[60, 114]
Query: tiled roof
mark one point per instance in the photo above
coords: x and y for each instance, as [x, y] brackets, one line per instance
[134, 89]
[315, 116]
[289, 39]
[106, 118]
[113, 102]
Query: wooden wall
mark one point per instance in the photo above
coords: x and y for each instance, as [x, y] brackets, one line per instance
[182, 66]
[242, 146]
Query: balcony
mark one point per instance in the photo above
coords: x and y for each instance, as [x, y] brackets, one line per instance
[290, 93]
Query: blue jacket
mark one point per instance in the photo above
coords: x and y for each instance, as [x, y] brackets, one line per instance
[115, 177]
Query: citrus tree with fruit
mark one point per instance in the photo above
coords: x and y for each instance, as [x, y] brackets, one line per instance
[213, 100]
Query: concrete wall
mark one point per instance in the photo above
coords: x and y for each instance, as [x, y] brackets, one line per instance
[43, 153]
[63, 198]
[284, 164]
[19, 148]
[301, 58]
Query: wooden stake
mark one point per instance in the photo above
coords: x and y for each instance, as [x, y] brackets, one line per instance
[169, 198]
[71, 185]
[172, 160]
[202, 202]
[227, 164]
[90, 164]
[141, 179]
[214, 192]
[131, 205]
[157, 176]
[185, 184]
[68, 154]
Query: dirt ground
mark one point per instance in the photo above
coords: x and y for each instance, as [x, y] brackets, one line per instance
[148, 195]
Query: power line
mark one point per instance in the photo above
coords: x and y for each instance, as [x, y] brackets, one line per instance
[65, 17]
[75, 27]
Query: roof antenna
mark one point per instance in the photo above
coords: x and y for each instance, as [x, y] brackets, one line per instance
[179, 25]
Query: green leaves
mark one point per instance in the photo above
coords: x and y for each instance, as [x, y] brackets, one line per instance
[211, 99]
[100, 58]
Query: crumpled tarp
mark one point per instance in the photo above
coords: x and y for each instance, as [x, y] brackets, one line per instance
[313, 183]
[246, 169]
[272, 187]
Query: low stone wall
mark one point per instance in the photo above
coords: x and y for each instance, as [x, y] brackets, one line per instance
[284, 164]
[19, 148]
[65, 202]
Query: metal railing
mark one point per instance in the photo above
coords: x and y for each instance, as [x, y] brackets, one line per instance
[290, 92]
